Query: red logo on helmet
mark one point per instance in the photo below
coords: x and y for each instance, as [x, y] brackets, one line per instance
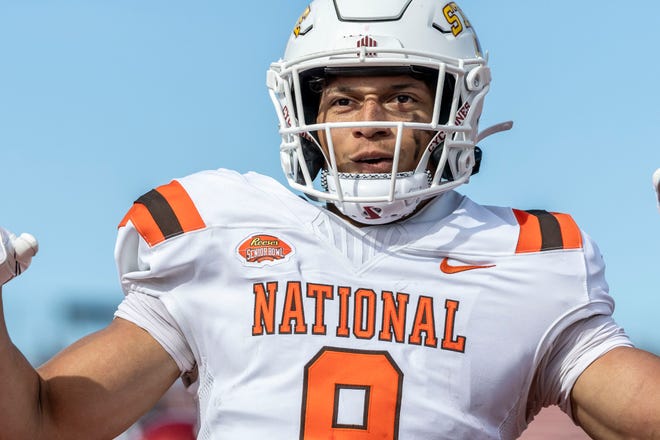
[372, 212]
[367, 41]
[263, 249]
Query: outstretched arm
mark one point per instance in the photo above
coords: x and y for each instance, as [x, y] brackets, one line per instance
[94, 389]
[618, 396]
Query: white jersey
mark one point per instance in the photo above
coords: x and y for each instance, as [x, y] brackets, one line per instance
[457, 323]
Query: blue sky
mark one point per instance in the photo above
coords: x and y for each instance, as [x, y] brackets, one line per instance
[102, 100]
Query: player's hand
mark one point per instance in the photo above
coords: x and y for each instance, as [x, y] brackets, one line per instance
[15, 254]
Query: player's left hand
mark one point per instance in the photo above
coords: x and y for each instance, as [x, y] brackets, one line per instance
[15, 254]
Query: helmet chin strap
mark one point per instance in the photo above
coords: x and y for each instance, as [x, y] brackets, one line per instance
[373, 186]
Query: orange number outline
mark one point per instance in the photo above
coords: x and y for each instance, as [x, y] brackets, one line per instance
[333, 368]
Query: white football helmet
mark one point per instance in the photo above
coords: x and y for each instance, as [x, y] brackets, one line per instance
[381, 37]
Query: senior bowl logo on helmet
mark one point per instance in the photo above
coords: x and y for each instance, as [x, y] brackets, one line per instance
[261, 249]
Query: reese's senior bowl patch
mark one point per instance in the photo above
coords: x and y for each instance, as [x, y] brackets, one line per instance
[261, 249]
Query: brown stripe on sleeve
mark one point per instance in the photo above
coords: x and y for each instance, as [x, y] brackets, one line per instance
[544, 231]
[570, 232]
[164, 212]
[144, 223]
[185, 210]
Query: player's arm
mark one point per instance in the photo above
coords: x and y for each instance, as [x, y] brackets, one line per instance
[618, 396]
[94, 389]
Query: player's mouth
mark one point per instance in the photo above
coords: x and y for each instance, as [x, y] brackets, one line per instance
[372, 163]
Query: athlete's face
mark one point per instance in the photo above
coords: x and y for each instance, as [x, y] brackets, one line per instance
[375, 98]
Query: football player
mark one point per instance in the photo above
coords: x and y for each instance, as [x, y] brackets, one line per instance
[385, 305]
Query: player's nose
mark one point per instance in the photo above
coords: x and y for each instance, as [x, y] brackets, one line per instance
[371, 111]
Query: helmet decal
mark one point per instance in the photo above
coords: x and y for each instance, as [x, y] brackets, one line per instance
[301, 28]
[456, 23]
[367, 41]
[454, 18]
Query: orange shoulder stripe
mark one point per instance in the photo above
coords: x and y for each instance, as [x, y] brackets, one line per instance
[164, 212]
[182, 205]
[529, 238]
[570, 232]
[144, 223]
[543, 231]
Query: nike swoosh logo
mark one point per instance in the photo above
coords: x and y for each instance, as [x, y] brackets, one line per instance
[445, 267]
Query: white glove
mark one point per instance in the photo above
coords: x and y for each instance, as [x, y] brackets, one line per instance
[656, 185]
[15, 254]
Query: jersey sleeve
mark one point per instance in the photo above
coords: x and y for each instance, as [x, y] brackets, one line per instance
[592, 332]
[150, 268]
[150, 313]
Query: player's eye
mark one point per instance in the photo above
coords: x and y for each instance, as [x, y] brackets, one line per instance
[403, 99]
[341, 102]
